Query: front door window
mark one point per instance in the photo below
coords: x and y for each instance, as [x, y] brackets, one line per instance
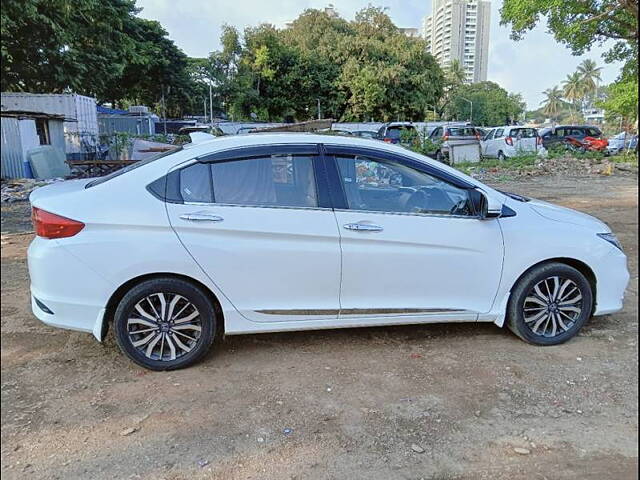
[383, 186]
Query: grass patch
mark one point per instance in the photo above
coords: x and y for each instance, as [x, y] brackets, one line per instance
[515, 164]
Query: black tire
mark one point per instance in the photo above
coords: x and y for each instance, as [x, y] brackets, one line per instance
[523, 291]
[440, 156]
[501, 156]
[189, 293]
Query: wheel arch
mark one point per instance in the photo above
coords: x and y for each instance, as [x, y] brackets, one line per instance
[120, 292]
[579, 265]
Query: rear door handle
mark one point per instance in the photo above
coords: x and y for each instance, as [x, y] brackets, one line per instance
[363, 227]
[201, 217]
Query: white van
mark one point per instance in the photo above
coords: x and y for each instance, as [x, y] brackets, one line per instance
[511, 140]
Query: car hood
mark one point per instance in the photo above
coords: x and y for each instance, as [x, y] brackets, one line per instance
[567, 215]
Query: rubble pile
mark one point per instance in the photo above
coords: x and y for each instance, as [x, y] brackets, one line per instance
[565, 165]
[18, 190]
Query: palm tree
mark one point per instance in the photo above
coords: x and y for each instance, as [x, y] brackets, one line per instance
[456, 73]
[590, 74]
[553, 102]
[573, 89]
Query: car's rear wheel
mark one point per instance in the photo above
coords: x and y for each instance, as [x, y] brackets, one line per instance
[550, 304]
[165, 323]
[501, 156]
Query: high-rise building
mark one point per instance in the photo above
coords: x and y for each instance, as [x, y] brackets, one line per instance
[459, 30]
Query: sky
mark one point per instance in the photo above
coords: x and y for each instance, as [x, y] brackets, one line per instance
[528, 66]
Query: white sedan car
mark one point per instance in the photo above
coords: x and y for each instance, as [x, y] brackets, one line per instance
[280, 232]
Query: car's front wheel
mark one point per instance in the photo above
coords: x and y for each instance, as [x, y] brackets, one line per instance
[550, 304]
[165, 323]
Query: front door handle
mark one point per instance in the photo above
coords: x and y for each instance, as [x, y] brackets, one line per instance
[363, 227]
[201, 217]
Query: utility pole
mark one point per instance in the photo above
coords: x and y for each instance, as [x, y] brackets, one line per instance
[470, 103]
[164, 111]
[319, 114]
[210, 105]
[204, 104]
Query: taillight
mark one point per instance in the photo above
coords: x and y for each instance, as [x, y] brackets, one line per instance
[539, 140]
[477, 136]
[509, 141]
[387, 140]
[445, 138]
[50, 225]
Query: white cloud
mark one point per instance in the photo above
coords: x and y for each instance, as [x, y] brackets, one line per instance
[528, 66]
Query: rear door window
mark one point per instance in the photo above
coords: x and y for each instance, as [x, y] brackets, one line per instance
[523, 132]
[395, 133]
[276, 180]
[499, 132]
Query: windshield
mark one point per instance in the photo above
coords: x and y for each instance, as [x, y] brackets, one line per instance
[130, 167]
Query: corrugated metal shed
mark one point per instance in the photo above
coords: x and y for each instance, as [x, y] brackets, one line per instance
[19, 136]
[81, 121]
[12, 154]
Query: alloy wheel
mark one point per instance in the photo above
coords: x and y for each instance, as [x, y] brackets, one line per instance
[552, 306]
[164, 326]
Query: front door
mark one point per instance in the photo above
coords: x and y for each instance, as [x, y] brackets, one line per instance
[412, 244]
[256, 227]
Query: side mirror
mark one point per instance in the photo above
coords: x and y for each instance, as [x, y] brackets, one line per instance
[485, 207]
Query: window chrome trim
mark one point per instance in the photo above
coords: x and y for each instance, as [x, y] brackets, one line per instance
[242, 205]
[410, 214]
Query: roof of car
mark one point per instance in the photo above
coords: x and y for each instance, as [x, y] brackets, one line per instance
[233, 141]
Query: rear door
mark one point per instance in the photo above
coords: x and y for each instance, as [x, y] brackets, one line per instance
[258, 223]
[525, 139]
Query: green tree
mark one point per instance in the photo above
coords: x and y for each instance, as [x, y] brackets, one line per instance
[58, 45]
[358, 70]
[621, 101]
[92, 47]
[579, 24]
[492, 104]
[553, 103]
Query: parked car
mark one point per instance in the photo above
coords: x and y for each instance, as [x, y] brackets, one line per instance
[279, 232]
[445, 136]
[393, 132]
[201, 128]
[569, 136]
[621, 142]
[509, 141]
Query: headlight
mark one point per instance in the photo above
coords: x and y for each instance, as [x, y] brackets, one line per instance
[612, 239]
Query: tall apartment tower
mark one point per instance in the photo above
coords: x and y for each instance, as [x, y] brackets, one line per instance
[459, 29]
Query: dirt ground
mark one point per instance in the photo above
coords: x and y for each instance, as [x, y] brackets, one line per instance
[415, 402]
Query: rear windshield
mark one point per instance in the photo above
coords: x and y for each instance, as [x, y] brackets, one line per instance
[593, 132]
[396, 132]
[461, 132]
[130, 167]
[524, 132]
